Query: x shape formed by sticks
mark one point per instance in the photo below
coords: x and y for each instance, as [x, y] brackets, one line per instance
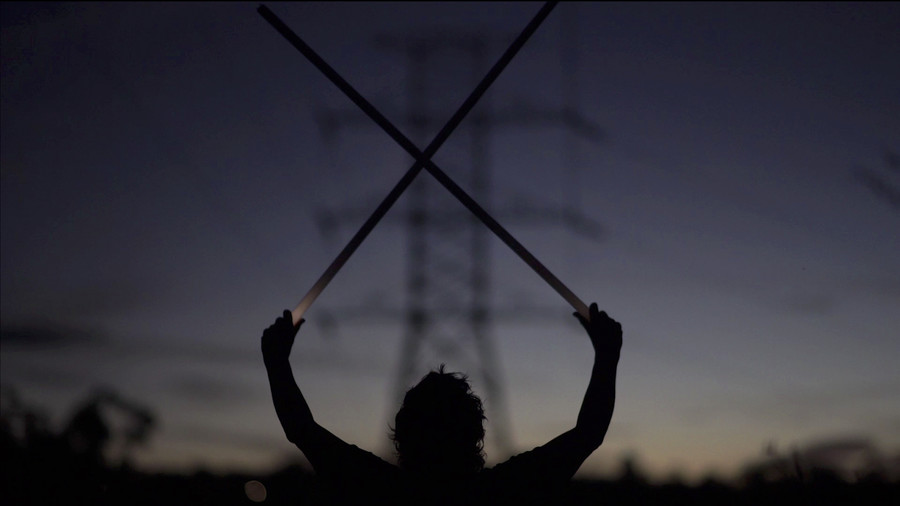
[423, 160]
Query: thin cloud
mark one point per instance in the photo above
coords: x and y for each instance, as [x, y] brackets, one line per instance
[209, 389]
[796, 404]
[879, 185]
[79, 303]
[26, 335]
[45, 376]
[230, 437]
[811, 304]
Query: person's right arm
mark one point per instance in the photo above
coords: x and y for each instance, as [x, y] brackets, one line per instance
[317, 444]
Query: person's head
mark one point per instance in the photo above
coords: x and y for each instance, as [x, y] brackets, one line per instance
[440, 426]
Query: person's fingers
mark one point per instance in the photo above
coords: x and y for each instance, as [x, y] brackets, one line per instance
[286, 322]
[296, 328]
[581, 320]
[596, 315]
[600, 323]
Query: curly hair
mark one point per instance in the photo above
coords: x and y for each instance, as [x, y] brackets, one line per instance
[440, 426]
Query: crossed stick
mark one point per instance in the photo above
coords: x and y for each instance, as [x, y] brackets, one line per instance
[423, 160]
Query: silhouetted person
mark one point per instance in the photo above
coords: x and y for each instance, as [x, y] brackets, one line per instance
[438, 434]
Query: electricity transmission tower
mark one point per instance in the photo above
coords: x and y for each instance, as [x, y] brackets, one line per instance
[447, 314]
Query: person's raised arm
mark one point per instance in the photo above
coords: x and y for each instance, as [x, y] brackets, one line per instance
[293, 411]
[561, 457]
[600, 398]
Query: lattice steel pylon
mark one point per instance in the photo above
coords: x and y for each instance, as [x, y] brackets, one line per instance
[448, 265]
[448, 315]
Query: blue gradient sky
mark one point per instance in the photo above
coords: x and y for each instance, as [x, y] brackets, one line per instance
[161, 171]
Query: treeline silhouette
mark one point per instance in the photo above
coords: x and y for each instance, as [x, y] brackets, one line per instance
[88, 461]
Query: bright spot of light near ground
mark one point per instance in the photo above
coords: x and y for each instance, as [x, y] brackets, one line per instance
[255, 491]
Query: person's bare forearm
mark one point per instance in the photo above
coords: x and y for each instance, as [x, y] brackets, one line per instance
[565, 453]
[290, 406]
[293, 412]
[600, 398]
[599, 401]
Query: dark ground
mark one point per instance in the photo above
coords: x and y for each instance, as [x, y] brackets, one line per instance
[71, 466]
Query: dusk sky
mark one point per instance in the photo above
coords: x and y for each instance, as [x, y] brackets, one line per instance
[162, 171]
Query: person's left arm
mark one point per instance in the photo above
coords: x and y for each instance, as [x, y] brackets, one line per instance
[561, 457]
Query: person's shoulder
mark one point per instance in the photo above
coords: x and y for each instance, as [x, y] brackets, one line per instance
[348, 461]
[522, 480]
[529, 472]
[357, 476]
[518, 459]
[364, 458]
[513, 468]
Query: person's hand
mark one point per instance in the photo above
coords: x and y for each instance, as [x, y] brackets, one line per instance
[605, 333]
[278, 339]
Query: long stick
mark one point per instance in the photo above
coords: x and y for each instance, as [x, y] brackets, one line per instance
[373, 113]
